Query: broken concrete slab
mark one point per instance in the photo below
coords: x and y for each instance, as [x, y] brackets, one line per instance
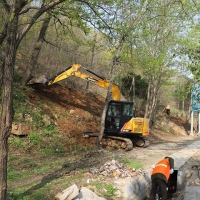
[68, 194]
[73, 193]
[87, 194]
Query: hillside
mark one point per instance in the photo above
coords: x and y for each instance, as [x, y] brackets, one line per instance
[75, 112]
[55, 155]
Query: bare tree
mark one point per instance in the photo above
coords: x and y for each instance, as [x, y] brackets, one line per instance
[37, 49]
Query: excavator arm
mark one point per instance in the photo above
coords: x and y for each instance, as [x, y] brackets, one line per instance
[74, 70]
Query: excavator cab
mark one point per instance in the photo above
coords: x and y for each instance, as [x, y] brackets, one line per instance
[118, 114]
[120, 122]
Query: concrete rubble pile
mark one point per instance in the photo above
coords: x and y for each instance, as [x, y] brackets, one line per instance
[111, 169]
[115, 169]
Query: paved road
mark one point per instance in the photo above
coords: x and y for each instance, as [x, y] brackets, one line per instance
[185, 153]
[151, 155]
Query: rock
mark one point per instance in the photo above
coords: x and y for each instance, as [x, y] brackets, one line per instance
[71, 111]
[21, 129]
[68, 194]
[86, 194]
[46, 120]
[73, 193]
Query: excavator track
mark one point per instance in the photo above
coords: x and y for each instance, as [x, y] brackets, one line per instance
[112, 142]
[123, 143]
[116, 142]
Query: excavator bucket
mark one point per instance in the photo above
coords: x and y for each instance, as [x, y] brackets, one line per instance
[40, 79]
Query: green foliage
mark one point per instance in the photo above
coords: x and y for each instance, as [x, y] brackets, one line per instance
[19, 96]
[106, 190]
[16, 142]
[13, 157]
[141, 86]
[17, 77]
[193, 52]
[182, 92]
[110, 190]
[97, 184]
[37, 118]
[41, 189]
[35, 138]
[190, 49]
[41, 170]
[55, 148]
[28, 163]
[22, 107]
[14, 175]
[47, 151]
[77, 147]
[134, 164]
[50, 130]
[19, 99]
[41, 193]
[194, 56]
[129, 163]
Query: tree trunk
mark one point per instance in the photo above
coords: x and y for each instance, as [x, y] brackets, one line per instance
[117, 54]
[118, 51]
[154, 102]
[1, 74]
[92, 58]
[7, 95]
[36, 51]
[148, 97]
[133, 76]
[3, 33]
[133, 86]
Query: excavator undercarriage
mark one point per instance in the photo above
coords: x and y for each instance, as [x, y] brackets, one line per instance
[124, 143]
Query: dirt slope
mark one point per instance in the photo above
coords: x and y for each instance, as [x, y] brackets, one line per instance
[73, 111]
[83, 111]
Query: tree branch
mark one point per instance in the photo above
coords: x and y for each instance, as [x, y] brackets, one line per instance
[41, 11]
[6, 5]
[3, 33]
[29, 8]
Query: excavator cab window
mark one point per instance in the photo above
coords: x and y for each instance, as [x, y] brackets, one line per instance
[118, 114]
[128, 109]
[114, 110]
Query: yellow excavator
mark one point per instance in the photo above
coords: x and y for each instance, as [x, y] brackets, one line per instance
[121, 127]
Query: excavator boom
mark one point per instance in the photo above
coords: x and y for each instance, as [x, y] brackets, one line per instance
[74, 71]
